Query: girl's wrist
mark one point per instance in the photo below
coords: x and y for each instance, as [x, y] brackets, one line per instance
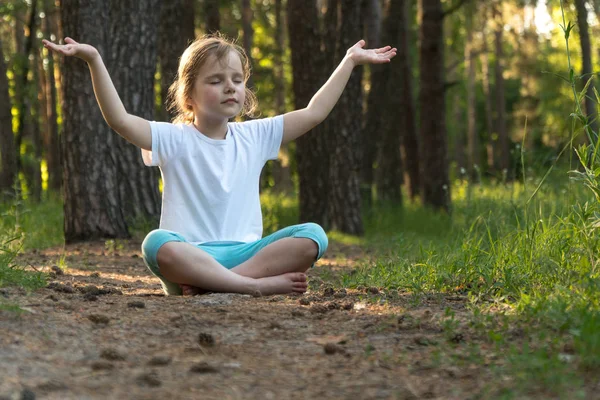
[350, 60]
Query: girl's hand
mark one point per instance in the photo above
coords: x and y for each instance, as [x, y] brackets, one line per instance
[370, 56]
[84, 51]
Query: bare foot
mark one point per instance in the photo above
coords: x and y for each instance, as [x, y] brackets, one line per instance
[293, 282]
[188, 290]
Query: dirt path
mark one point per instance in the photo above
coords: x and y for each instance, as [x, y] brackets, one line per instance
[104, 330]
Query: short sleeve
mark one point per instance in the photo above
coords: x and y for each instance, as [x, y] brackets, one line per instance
[166, 140]
[267, 134]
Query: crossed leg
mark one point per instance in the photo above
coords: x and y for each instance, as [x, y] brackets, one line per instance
[276, 269]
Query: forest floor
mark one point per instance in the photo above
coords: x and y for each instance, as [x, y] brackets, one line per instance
[102, 329]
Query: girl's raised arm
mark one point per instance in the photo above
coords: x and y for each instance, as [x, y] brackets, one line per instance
[297, 123]
[134, 129]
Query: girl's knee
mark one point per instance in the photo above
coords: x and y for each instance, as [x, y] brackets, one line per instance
[155, 241]
[317, 233]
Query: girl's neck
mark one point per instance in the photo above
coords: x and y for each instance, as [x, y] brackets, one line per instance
[214, 129]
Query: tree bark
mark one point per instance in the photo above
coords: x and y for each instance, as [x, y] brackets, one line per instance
[308, 63]
[372, 122]
[176, 32]
[212, 15]
[389, 172]
[436, 187]
[503, 140]
[51, 139]
[488, 99]
[410, 142]
[472, 135]
[133, 50]
[345, 141]
[7, 139]
[92, 202]
[247, 17]
[586, 72]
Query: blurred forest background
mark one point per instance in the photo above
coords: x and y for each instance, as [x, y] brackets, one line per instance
[478, 89]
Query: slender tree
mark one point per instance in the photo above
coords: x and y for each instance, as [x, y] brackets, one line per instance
[308, 63]
[212, 16]
[586, 71]
[176, 31]
[503, 140]
[8, 172]
[436, 188]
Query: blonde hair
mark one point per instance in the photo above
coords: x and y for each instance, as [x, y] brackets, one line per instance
[192, 60]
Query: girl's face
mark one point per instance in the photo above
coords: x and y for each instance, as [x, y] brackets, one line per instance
[219, 90]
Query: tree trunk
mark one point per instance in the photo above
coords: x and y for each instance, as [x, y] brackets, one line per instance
[503, 140]
[436, 187]
[92, 202]
[247, 17]
[586, 72]
[51, 139]
[212, 15]
[176, 31]
[307, 68]
[345, 141]
[372, 122]
[133, 50]
[472, 135]
[410, 142]
[8, 172]
[488, 99]
[389, 171]
[32, 166]
[281, 169]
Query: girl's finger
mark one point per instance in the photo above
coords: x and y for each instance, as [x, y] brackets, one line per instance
[382, 49]
[70, 41]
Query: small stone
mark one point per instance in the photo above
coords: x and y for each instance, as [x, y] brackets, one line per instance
[56, 269]
[332, 348]
[51, 385]
[64, 304]
[99, 319]
[160, 360]
[340, 293]
[297, 313]
[112, 355]
[347, 306]
[90, 297]
[457, 338]
[318, 309]
[52, 297]
[91, 289]
[136, 304]
[373, 290]
[276, 299]
[102, 365]
[95, 275]
[304, 301]
[27, 394]
[59, 287]
[328, 292]
[203, 368]
[206, 339]
[149, 379]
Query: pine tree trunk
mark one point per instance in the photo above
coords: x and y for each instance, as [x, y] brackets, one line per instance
[410, 142]
[436, 188]
[379, 76]
[8, 172]
[586, 72]
[248, 30]
[345, 141]
[92, 202]
[176, 32]
[503, 140]
[488, 99]
[389, 175]
[472, 136]
[212, 15]
[51, 139]
[133, 50]
[308, 63]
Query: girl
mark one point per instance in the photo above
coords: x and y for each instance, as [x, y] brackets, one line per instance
[211, 223]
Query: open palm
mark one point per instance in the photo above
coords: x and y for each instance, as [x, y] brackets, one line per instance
[72, 48]
[370, 56]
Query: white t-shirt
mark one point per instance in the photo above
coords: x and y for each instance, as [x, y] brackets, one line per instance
[211, 187]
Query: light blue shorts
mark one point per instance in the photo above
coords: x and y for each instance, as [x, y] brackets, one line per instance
[228, 254]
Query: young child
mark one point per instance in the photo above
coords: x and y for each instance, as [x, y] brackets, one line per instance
[211, 223]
